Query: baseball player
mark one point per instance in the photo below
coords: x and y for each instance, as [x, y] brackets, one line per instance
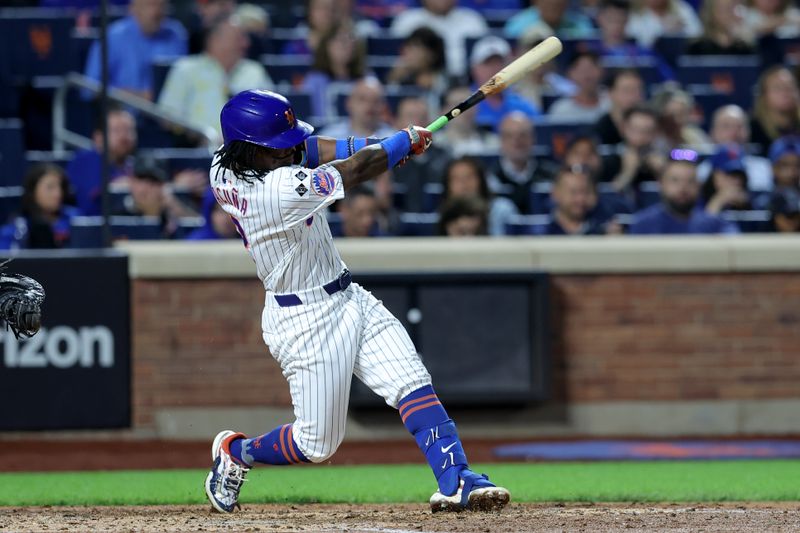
[275, 180]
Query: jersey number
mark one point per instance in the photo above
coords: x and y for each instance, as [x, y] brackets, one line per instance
[240, 231]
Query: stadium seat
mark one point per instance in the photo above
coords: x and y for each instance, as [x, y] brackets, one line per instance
[556, 134]
[301, 102]
[527, 224]
[287, 70]
[38, 38]
[707, 100]
[432, 196]
[732, 75]
[670, 48]
[647, 67]
[12, 152]
[649, 193]
[756, 221]
[80, 43]
[399, 191]
[335, 222]
[160, 71]
[87, 232]
[612, 200]
[10, 202]
[384, 46]
[187, 225]
[540, 203]
[178, 159]
[419, 224]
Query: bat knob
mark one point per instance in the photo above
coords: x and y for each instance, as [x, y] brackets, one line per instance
[456, 112]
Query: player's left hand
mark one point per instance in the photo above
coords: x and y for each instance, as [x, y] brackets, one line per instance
[421, 139]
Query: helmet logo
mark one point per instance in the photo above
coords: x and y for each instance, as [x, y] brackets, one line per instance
[289, 114]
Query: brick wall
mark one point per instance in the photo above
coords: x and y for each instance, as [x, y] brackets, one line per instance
[614, 337]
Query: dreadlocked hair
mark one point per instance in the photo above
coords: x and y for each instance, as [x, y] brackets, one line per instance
[240, 158]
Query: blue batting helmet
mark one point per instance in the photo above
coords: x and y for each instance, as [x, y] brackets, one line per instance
[263, 118]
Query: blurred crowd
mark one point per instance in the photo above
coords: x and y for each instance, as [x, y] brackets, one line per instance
[605, 140]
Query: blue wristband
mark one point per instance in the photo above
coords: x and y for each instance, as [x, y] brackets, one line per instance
[341, 149]
[397, 147]
[312, 151]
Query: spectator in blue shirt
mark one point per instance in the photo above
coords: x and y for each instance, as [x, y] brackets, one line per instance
[218, 223]
[678, 212]
[134, 42]
[84, 170]
[554, 14]
[44, 220]
[490, 55]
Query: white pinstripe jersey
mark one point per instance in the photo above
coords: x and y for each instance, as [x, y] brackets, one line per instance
[282, 222]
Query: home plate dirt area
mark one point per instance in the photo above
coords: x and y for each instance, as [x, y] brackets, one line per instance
[740, 517]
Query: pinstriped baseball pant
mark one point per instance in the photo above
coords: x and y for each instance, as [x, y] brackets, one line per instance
[321, 345]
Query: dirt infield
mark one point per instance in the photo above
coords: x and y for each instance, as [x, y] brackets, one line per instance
[758, 517]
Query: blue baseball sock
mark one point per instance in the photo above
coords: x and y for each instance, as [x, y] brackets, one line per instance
[436, 435]
[275, 448]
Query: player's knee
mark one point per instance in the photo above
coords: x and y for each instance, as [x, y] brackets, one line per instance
[318, 448]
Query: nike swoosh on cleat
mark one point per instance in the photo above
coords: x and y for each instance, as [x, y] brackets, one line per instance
[447, 449]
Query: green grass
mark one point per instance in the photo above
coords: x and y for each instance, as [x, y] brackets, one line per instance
[674, 481]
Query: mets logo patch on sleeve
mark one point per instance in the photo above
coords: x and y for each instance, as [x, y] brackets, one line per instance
[323, 183]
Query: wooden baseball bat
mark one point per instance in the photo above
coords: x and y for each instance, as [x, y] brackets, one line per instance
[527, 62]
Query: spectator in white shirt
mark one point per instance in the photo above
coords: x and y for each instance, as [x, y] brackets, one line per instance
[453, 24]
[590, 102]
[654, 18]
[198, 86]
[729, 125]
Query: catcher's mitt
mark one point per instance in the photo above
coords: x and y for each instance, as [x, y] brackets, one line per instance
[21, 301]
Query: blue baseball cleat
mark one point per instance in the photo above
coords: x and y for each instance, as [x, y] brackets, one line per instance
[227, 476]
[475, 493]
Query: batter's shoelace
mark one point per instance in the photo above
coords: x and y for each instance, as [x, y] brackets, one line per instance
[233, 477]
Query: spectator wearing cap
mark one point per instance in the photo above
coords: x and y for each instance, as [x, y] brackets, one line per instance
[198, 86]
[150, 196]
[134, 43]
[85, 168]
[653, 18]
[554, 15]
[678, 212]
[785, 157]
[218, 224]
[729, 125]
[590, 102]
[726, 188]
[784, 208]
[626, 90]
[453, 24]
[489, 56]
[517, 169]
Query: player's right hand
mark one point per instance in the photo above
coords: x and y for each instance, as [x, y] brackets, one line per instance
[421, 139]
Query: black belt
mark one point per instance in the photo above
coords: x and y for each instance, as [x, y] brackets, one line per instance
[339, 284]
